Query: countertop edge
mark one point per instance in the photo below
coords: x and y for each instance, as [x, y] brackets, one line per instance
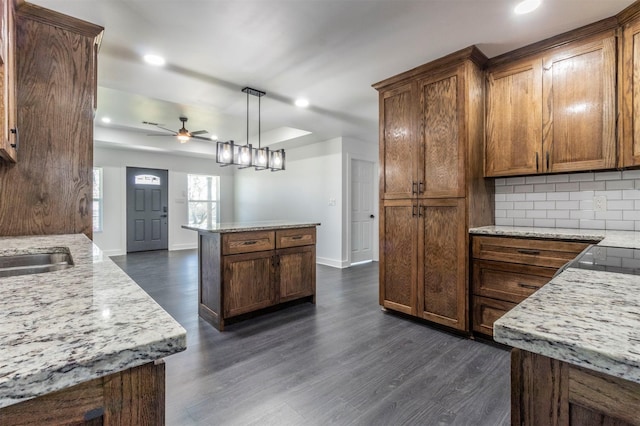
[232, 228]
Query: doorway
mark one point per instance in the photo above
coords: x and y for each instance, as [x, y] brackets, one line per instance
[147, 209]
[362, 211]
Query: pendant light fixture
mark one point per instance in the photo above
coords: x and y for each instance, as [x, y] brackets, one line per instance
[246, 155]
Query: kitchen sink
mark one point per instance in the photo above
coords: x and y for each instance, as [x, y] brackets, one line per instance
[35, 263]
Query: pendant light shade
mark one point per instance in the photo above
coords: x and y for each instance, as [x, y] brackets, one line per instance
[246, 155]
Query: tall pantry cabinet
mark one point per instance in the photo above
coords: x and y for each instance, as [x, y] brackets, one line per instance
[431, 186]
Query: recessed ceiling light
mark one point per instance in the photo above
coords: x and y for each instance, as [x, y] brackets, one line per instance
[527, 6]
[302, 103]
[154, 60]
[214, 137]
[106, 120]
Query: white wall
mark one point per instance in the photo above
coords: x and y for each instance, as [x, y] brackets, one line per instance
[112, 240]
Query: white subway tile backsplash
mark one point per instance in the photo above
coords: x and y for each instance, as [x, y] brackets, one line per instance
[522, 222]
[608, 176]
[631, 174]
[580, 177]
[544, 187]
[515, 180]
[535, 179]
[592, 224]
[534, 196]
[620, 225]
[593, 186]
[566, 200]
[619, 184]
[545, 223]
[572, 186]
[557, 178]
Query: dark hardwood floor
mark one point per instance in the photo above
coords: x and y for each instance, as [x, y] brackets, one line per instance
[342, 361]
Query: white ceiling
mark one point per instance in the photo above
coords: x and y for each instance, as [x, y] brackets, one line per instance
[328, 51]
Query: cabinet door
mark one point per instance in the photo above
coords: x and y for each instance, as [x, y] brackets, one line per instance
[248, 282]
[514, 119]
[630, 97]
[579, 107]
[443, 117]
[398, 144]
[296, 274]
[442, 271]
[8, 137]
[398, 255]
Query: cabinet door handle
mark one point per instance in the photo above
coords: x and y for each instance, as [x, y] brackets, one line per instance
[529, 286]
[17, 144]
[297, 237]
[249, 243]
[528, 251]
[421, 187]
[547, 160]
[414, 187]
[420, 210]
[413, 211]
[536, 161]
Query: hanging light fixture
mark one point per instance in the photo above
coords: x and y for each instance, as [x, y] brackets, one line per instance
[246, 155]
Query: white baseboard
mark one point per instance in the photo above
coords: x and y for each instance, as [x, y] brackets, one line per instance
[186, 246]
[332, 262]
[114, 252]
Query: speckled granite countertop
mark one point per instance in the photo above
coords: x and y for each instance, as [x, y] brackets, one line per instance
[250, 226]
[586, 318]
[62, 328]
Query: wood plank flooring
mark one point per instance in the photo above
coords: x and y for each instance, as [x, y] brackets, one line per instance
[342, 361]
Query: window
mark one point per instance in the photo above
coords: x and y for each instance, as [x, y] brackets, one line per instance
[97, 199]
[203, 199]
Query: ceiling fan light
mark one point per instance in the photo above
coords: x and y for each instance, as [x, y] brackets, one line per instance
[183, 138]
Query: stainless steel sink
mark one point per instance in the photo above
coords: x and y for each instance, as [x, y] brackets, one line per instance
[35, 263]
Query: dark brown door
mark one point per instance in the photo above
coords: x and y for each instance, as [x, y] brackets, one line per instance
[248, 282]
[147, 209]
[398, 255]
[296, 272]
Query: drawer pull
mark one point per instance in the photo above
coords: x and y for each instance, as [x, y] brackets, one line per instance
[529, 286]
[249, 243]
[297, 237]
[528, 251]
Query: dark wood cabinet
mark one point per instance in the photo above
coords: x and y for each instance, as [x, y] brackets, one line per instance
[50, 187]
[243, 272]
[8, 124]
[431, 186]
[507, 270]
[546, 391]
[553, 110]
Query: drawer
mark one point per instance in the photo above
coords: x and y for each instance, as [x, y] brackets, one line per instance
[295, 237]
[248, 242]
[507, 281]
[547, 253]
[487, 311]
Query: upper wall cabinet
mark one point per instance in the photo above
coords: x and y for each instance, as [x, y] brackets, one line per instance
[8, 130]
[630, 95]
[553, 111]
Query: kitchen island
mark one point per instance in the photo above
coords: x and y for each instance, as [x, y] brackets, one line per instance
[82, 343]
[247, 267]
[576, 356]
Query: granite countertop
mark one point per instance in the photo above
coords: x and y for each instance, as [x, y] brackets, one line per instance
[66, 327]
[250, 226]
[586, 318]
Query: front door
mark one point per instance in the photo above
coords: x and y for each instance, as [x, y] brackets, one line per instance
[362, 213]
[147, 209]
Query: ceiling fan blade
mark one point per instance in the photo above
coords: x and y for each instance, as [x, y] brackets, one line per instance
[158, 134]
[202, 138]
[199, 132]
[173, 132]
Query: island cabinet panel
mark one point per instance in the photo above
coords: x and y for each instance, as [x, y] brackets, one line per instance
[507, 270]
[546, 391]
[423, 227]
[553, 110]
[241, 272]
[248, 283]
[630, 94]
[131, 397]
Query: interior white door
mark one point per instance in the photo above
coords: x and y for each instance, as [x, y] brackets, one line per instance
[362, 213]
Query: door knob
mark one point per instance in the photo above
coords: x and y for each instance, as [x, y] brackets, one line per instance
[163, 215]
[371, 216]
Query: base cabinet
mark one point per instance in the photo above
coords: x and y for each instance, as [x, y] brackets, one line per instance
[243, 272]
[131, 397]
[545, 391]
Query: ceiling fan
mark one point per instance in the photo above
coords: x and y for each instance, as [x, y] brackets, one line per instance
[182, 134]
